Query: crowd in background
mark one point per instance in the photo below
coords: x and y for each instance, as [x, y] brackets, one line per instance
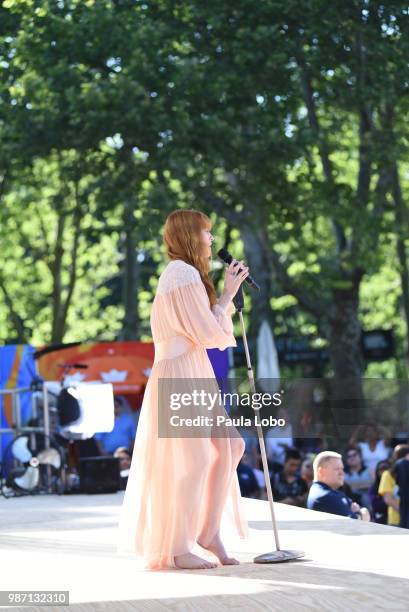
[375, 469]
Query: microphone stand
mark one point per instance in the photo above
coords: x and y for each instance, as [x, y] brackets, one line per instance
[278, 555]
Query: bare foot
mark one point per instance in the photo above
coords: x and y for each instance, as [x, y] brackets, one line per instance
[217, 548]
[191, 561]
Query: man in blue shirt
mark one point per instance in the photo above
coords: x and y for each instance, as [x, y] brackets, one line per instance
[123, 433]
[324, 494]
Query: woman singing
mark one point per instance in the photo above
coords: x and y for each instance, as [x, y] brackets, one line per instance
[180, 487]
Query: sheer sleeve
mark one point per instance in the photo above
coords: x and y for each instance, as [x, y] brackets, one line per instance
[223, 316]
[188, 308]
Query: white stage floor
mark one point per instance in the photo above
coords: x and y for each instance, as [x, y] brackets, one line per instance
[68, 543]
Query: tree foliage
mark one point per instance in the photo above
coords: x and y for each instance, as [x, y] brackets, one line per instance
[285, 121]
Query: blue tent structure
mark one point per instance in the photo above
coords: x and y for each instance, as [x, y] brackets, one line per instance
[17, 370]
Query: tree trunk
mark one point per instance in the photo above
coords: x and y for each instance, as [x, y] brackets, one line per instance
[130, 329]
[15, 319]
[56, 271]
[401, 248]
[345, 349]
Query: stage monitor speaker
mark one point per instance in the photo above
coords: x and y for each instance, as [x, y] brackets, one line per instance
[99, 475]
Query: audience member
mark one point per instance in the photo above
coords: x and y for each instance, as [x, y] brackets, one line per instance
[374, 445]
[308, 435]
[307, 473]
[288, 487]
[279, 439]
[248, 483]
[388, 487]
[125, 458]
[123, 432]
[273, 467]
[401, 472]
[324, 495]
[379, 510]
[357, 475]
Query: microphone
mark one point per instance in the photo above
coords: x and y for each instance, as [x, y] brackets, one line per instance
[227, 258]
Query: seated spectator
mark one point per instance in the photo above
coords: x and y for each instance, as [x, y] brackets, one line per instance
[307, 473]
[125, 458]
[324, 495]
[279, 439]
[401, 473]
[374, 444]
[357, 475]
[308, 435]
[388, 487]
[248, 483]
[288, 487]
[379, 510]
[273, 467]
[123, 433]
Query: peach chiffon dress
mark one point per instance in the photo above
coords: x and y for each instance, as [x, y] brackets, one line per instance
[176, 483]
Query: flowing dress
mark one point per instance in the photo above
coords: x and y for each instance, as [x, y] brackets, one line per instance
[170, 487]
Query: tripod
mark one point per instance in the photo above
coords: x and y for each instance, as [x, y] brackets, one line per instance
[278, 555]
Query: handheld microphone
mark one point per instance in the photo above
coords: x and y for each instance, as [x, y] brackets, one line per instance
[227, 258]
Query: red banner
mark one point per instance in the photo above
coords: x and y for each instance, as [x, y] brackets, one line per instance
[126, 365]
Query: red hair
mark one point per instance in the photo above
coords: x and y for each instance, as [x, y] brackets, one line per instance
[183, 241]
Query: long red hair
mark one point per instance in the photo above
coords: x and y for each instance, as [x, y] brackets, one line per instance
[182, 241]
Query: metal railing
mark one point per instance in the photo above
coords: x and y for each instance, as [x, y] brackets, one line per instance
[16, 427]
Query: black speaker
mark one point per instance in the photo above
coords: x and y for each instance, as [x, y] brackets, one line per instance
[99, 475]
